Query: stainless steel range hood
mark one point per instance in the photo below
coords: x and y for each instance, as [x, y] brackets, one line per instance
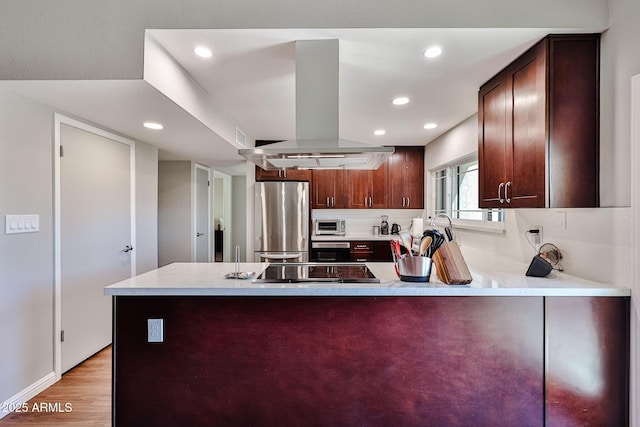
[317, 144]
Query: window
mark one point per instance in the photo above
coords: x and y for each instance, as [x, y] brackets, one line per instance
[456, 194]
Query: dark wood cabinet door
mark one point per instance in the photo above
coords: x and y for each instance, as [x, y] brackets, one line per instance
[413, 180]
[378, 185]
[574, 121]
[267, 175]
[297, 175]
[406, 178]
[359, 185]
[382, 251]
[492, 142]
[526, 130]
[396, 175]
[282, 175]
[368, 188]
[329, 189]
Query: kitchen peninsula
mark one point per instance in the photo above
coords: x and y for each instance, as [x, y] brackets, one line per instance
[507, 350]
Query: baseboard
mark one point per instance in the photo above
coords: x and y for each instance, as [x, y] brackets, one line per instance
[28, 393]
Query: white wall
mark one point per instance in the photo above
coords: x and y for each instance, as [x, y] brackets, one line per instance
[174, 212]
[146, 207]
[26, 260]
[239, 214]
[620, 61]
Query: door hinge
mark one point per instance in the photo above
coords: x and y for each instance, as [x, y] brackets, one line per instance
[62, 335]
[208, 183]
[61, 151]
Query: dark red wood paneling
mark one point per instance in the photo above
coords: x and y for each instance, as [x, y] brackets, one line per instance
[330, 361]
[587, 361]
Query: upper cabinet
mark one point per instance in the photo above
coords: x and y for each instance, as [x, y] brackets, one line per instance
[406, 178]
[329, 189]
[538, 127]
[397, 184]
[282, 175]
[368, 188]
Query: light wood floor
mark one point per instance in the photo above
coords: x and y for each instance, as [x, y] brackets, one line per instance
[87, 390]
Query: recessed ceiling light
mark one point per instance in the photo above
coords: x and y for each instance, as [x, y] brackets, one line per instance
[152, 125]
[430, 126]
[379, 132]
[203, 52]
[400, 100]
[432, 52]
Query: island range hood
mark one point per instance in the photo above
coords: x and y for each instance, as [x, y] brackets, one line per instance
[317, 144]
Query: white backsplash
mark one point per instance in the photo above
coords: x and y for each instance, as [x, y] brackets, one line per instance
[361, 221]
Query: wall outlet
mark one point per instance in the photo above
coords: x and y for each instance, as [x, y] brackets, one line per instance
[155, 330]
[537, 236]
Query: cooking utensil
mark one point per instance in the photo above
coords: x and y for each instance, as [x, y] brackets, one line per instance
[437, 240]
[425, 243]
[407, 242]
[447, 230]
[396, 254]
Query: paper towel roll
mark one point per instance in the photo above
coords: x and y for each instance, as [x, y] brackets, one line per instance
[417, 226]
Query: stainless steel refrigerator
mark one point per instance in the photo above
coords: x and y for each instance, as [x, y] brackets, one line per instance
[281, 221]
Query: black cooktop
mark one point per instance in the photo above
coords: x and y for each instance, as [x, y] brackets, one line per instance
[349, 272]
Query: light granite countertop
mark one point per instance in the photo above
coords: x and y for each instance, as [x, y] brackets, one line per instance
[490, 278]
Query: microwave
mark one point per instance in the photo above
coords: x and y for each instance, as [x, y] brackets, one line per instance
[330, 227]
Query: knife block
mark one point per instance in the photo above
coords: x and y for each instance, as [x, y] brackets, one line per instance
[451, 267]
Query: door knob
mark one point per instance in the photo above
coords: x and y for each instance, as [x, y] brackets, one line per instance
[199, 234]
[127, 248]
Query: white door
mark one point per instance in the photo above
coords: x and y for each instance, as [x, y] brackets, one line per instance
[202, 211]
[95, 233]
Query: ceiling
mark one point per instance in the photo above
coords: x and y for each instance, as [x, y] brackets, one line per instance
[251, 76]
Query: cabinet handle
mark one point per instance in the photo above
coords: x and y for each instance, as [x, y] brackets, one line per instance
[506, 187]
[370, 201]
[403, 202]
[328, 202]
[333, 201]
[361, 259]
[408, 202]
[500, 199]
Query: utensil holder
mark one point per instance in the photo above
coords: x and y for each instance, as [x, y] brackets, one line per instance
[414, 269]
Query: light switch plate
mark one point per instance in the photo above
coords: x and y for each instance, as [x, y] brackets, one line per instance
[14, 224]
[155, 330]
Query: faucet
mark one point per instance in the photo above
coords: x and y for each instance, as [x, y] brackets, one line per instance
[447, 229]
[440, 215]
